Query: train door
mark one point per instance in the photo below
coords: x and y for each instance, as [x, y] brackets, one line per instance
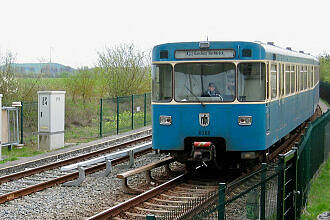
[267, 98]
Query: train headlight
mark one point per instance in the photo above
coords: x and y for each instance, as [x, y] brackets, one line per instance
[165, 120]
[244, 120]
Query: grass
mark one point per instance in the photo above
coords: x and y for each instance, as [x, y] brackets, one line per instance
[319, 194]
[325, 102]
[325, 69]
[15, 153]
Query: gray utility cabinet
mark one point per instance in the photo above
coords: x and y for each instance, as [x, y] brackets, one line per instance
[51, 119]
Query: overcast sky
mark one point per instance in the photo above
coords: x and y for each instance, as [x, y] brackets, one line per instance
[72, 31]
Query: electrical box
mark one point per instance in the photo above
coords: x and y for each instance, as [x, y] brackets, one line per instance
[51, 119]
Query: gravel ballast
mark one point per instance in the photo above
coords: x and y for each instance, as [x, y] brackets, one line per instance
[94, 195]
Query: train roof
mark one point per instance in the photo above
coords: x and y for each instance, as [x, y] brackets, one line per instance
[258, 51]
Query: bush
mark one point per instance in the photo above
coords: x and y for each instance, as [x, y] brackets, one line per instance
[125, 71]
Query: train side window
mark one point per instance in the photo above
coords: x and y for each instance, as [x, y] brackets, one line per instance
[281, 79]
[162, 82]
[273, 80]
[287, 79]
[297, 78]
[293, 77]
[314, 73]
[301, 73]
[305, 76]
[310, 76]
[252, 86]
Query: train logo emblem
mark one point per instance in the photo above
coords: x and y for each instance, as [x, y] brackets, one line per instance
[204, 119]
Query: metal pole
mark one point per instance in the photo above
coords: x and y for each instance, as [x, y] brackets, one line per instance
[9, 136]
[22, 118]
[145, 110]
[222, 199]
[296, 190]
[263, 191]
[280, 187]
[101, 116]
[117, 114]
[17, 129]
[132, 112]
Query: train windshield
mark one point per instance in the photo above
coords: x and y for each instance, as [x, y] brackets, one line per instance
[162, 82]
[205, 82]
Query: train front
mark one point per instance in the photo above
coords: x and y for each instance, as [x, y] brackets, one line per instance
[195, 111]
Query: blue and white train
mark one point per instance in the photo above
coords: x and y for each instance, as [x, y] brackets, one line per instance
[260, 93]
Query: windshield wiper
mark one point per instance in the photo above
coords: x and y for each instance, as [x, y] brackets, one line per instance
[195, 96]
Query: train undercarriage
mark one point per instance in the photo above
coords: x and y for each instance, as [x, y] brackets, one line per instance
[211, 152]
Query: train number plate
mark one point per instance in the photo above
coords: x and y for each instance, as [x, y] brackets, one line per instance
[204, 133]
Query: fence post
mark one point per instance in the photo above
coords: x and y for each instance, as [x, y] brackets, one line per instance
[117, 114]
[222, 199]
[280, 185]
[101, 116]
[296, 192]
[150, 217]
[145, 110]
[22, 118]
[263, 191]
[132, 112]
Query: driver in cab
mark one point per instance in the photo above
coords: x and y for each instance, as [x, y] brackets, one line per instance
[212, 91]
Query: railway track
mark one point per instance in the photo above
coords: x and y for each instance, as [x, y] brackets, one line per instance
[179, 193]
[181, 199]
[154, 202]
[39, 178]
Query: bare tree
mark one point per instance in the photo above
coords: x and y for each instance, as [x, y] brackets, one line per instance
[126, 70]
[82, 84]
[8, 83]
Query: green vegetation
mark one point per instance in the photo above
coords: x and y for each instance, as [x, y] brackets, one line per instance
[319, 194]
[325, 68]
[121, 71]
[15, 153]
[328, 104]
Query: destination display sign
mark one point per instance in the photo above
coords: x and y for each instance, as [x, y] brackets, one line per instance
[195, 54]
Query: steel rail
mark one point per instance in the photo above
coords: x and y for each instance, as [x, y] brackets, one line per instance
[41, 186]
[115, 210]
[286, 144]
[50, 166]
[120, 208]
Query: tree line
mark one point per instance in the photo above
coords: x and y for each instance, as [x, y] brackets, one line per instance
[120, 71]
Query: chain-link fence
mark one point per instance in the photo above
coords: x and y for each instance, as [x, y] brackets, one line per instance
[124, 113]
[325, 91]
[29, 123]
[91, 119]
